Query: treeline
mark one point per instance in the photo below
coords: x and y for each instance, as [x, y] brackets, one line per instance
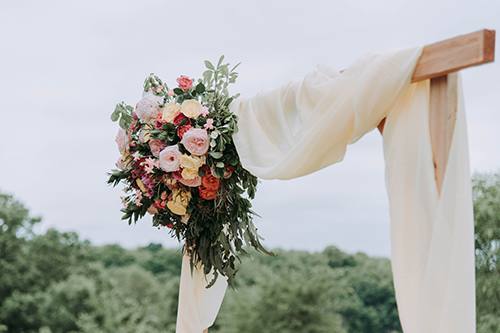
[58, 283]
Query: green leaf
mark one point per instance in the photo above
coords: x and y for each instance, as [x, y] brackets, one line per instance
[214, 134]
[200, 88]
[216, 154]
[209, 65]
[115, 116]
[220, 165]
[178, 91]
[220, 60]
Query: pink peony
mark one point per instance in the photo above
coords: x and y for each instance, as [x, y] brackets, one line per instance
[196, 141]
[148, 107]
[185, 82]
[123, 141]
[169, 159]
[156, 147]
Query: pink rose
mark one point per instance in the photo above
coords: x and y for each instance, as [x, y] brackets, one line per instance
[196, 141]
[156, 147]
[184, 82]
[169, 159]
[148, 108]
[123, 141]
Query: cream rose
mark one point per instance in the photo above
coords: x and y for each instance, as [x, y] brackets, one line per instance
[191, 108]
[189, 162]
[170, 110]
[179, 202]
[189, 173]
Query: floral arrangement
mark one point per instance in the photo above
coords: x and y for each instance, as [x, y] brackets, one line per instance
[179, 164]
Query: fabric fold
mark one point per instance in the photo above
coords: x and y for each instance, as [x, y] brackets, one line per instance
[306, 124]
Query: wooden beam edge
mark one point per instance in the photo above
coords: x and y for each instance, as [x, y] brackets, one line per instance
[484, 40]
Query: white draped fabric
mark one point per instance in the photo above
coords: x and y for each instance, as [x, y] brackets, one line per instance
[306, 124]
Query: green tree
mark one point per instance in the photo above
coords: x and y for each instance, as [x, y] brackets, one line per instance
[486, 195]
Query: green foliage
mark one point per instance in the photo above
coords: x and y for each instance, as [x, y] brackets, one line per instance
[486, 194]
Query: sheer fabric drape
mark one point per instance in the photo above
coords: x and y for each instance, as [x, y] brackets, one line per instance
[306, 124]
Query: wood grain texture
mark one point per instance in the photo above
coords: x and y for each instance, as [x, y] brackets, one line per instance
[442, 118]
[453, 54]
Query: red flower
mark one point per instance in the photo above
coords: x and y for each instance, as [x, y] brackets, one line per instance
[206, 193]
[210, 182]
[179, 117]
[185, 82]
[183, 129]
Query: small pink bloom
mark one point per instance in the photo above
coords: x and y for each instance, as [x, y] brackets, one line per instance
[123, 141]
[156, 147]
[169, 158]
[204, 111]
[196, 141]
[138, 202]
[164, 196]
[171, 93]
[136, 156]
[209, 124]
[185, 82]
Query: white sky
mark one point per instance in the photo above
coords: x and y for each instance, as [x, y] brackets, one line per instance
[65, 64]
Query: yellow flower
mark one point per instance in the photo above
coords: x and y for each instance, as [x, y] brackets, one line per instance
[189, 162]
[127, 158]
[189, 174]
[179, 202]
[141, 185]
[191, 108]
[170, 110]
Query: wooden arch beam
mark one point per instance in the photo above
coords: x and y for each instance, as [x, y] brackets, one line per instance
[439, 62]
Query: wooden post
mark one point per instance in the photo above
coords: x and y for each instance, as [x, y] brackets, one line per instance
[440, 62]
[442, 117]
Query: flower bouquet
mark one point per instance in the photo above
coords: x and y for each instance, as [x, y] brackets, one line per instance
[179, 163]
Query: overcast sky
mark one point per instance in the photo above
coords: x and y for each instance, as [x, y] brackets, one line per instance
[65, 64]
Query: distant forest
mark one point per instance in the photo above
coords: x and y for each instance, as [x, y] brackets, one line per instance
[57, 283]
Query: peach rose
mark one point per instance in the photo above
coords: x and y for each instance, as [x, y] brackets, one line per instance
[185, 82]
[152, 210]
[196, 141]
[170, 110]
[195, 182]
[169, 159]
[191, 108]
[123, 141]
[156, 147]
